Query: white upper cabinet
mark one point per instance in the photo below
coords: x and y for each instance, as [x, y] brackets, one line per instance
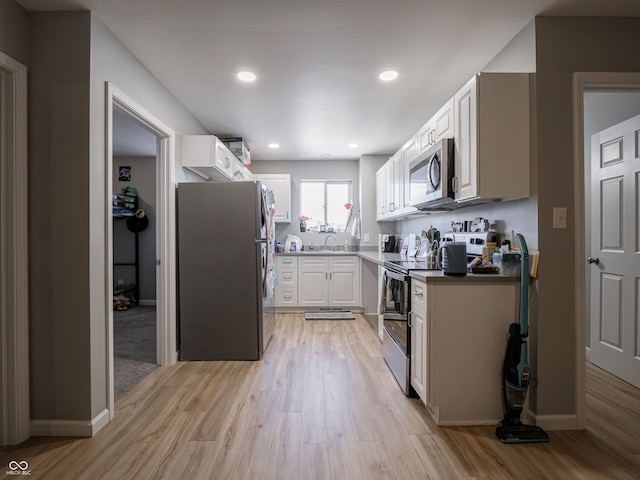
[409, 152]
[280, 184]
[207, 156]
[492, 138]
[381, 193]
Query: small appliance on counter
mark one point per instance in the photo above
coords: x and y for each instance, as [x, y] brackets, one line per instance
[388, 243]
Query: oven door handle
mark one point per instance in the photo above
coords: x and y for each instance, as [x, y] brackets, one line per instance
[396, 276]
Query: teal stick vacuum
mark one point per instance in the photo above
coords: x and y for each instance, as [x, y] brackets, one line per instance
[515, 368]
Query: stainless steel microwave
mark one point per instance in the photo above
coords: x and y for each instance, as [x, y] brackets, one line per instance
[431, 177]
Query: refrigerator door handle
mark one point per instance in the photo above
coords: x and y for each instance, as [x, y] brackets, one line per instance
[261, 240]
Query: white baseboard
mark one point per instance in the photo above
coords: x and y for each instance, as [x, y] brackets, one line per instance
[147, 303]
[69, 428]
[555, 422]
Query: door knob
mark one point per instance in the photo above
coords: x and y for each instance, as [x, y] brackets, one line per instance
[595, 260]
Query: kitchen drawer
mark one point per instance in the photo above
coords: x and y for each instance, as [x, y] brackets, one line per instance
[343, 261]
[287, 261]
[313, 261]
[418, 296]
[288, 276]
[286, 297]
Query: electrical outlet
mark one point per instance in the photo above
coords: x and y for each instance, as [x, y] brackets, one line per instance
[559, 217]
[120, 281]
[366, 238]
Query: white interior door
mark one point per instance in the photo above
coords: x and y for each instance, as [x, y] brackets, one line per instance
[615, 250]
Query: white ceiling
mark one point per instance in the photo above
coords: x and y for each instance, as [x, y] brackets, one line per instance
[317, 61]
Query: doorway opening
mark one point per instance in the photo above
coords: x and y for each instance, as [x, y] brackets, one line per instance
[134, 209]
[121, 108]
[602, 101]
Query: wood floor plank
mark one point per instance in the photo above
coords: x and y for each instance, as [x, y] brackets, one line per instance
[253, 457]
[404, 458]
[375, 461]
[322, 403]
[314, 462]
[284, 453]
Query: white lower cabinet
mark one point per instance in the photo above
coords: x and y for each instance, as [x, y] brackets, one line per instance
[419, 341]
[329, 281]
[287, 289]
[458, 340]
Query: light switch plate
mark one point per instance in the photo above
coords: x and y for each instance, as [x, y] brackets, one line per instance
[366, 238]
[559, 217]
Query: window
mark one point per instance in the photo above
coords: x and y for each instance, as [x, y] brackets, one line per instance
[323, 201]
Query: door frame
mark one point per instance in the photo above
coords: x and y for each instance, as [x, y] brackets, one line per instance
[165, 246]
[585, 82]
[14, 255]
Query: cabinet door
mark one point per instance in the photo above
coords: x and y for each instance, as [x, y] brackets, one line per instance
[419, 345]
[344, 286]
[426, 136]
[381, 193]
[409, 153]
[444, 122]
[466, 154]
[224, 159]
[344, 281]
[280, 184]
[313, 287]
[394, 184]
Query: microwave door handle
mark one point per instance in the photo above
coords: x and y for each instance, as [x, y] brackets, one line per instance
[434, 160]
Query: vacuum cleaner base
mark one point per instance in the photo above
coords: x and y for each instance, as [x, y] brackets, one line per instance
[521, 434]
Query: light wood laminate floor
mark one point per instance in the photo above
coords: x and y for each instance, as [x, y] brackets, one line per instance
[322, 404]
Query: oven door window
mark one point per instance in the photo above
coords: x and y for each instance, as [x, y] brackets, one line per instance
[395, 316]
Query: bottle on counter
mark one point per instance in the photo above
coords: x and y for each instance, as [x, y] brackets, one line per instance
[488, 250]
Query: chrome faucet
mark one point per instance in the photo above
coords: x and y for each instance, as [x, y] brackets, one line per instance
[327, 238]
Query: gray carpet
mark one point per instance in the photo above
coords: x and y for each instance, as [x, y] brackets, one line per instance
[329, 316]
[134, 346]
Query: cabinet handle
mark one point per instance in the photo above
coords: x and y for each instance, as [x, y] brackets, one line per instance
[418, 293]
[227, 162]
[410, 319]
[454, 184]
[326, 276]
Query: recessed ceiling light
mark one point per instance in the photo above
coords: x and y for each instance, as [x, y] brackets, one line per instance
[388, 75]
[325, 155]
[353, 145]
[246, 76]
[274, 145]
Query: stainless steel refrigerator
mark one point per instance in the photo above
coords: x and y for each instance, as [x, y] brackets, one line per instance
[226, 272]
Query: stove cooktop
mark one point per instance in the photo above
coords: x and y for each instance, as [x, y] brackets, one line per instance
[407, 265]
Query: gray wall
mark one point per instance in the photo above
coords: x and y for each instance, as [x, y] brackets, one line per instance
[565, 45]
[59, 216]
[143, 178]
[72, 55]
[311, 170]
[14, 31]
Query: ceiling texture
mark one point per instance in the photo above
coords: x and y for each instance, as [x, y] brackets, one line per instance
[317, 62]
